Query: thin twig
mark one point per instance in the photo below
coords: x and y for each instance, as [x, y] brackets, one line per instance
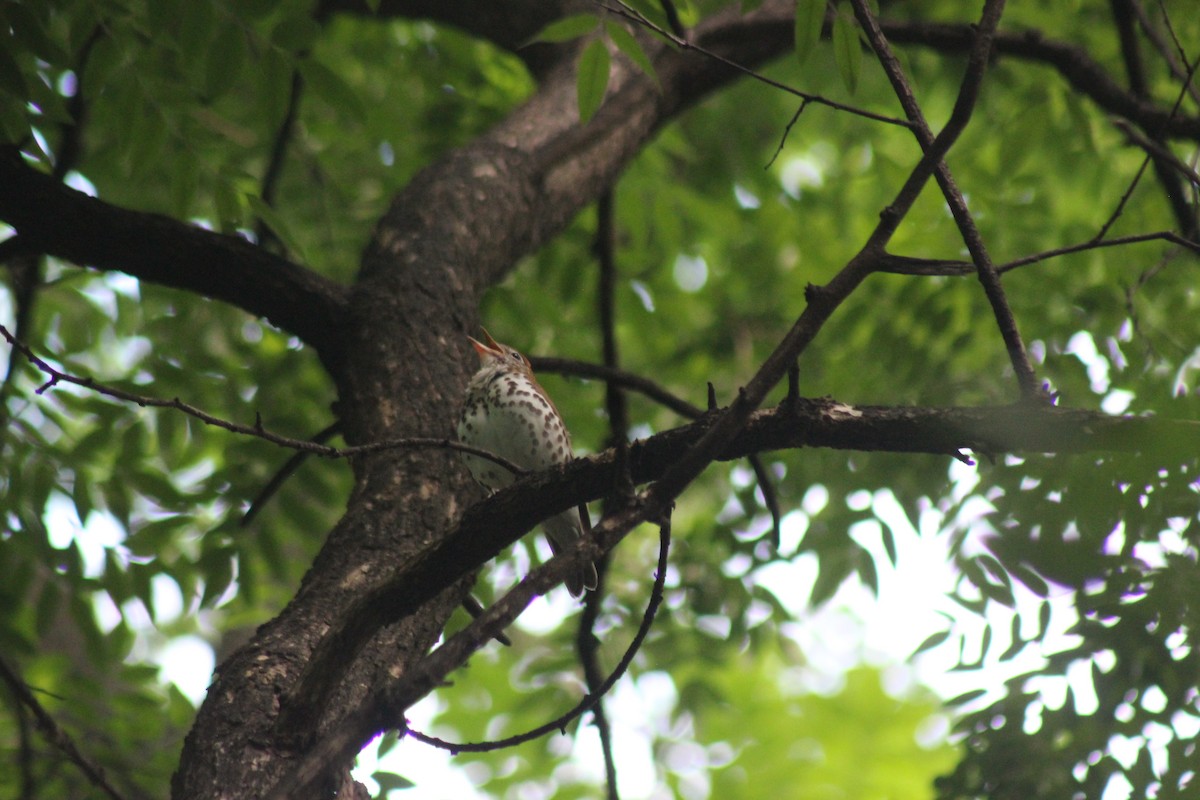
[936, 147]
[257, 430]
[1187, 224]
[628, 380]
[905, 265]
[473, 607]
[787, 132]
[1125, 20]
[271, 175]
[1178, 70]
[1158, 150]
[588, 647]
[54, 734]
[770, 498]
[618, 421]
[592, 700]
[286, 471]
[630, 13]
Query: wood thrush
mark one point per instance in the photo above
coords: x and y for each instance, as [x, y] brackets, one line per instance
[508, 413]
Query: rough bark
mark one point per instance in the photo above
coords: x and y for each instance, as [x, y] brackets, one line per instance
[399, 366]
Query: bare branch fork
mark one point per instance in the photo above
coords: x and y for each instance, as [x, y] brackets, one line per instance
[935, 149]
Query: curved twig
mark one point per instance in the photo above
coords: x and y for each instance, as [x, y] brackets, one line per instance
[592, 700]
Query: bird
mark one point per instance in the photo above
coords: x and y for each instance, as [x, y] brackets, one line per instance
[507, 412]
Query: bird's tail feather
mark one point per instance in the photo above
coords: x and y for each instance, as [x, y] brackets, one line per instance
[561, 531]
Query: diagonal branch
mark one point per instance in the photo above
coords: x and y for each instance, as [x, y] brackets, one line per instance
[57, 220]
[1072, 62]
[275, 163]
[55, 734]
[935, 148]
[490, 526]
[1124, 17]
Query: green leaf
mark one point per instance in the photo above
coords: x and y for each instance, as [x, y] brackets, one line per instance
[389, 780]
[627, 44]
[194, 31]
[1034, 582]
[31, 32]
[216, 566]
[105, 59]
[14, 125]
[388, 741]
[835, 567]
[228, 204]
[1017, 643]
[592, 81]
[566, 29]
[810, 18]
[966, 697]
[846, 51]
[889, 543]
[932, 641]
[256, 9]
[11, 79]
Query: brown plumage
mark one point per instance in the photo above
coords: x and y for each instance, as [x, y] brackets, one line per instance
[508, 413]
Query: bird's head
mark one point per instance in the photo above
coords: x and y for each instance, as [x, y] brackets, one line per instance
[494, 354]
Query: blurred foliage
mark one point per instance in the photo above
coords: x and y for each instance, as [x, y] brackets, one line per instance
[720, 228]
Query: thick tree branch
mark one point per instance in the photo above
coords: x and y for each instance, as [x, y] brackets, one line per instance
[1075, 65]
[771, 26]
[65, 223]
[487, 527]
[492, 525]
[390, 701]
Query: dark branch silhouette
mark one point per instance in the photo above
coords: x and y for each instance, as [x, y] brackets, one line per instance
[53, 732]
[56, 220]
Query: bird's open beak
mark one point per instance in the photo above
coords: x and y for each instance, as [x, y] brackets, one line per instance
[492, 348]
